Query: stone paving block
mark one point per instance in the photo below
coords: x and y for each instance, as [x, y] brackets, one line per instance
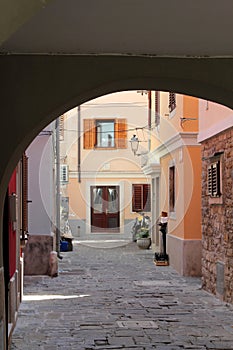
[168, 347]
[123, 341]
[89, 327]
[194, 347]
[144, 340]
[137, 324]
[101, 342]
[221, 345]
[131, 332]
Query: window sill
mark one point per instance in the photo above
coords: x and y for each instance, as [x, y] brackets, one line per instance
[104, 148]
[215, 200]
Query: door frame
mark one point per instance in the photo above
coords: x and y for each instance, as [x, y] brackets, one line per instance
[88, 203]
[105, 215]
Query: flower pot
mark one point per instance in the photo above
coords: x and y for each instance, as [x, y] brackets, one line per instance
[144, 243]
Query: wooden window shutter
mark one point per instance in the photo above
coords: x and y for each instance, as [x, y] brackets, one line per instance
[89, 138]
[146, 198]
[209, 180]
[157, 108]
[172, 188]
[24, 195]
[121, 133]
[137, 198]
[214, 179]
[172, 101]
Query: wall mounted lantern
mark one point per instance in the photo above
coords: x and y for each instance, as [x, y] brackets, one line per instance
[134, 144]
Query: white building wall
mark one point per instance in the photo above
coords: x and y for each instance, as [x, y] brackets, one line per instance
[214, 118]
[41, 184]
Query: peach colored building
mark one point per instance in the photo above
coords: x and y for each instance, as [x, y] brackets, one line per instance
[104, 185]
[175, 168]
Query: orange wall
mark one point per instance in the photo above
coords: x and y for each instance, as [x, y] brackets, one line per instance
[190, 110]
[175, 226]
[192, 219]
[187, 221]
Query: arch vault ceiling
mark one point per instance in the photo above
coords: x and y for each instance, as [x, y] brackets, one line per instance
[130, 27]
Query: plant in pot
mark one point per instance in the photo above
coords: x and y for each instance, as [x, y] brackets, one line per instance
[143, 238]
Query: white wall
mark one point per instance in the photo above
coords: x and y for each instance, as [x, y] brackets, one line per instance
[41, 184]
[213, 118]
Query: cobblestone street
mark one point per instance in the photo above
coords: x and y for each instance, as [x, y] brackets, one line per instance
[118, 299]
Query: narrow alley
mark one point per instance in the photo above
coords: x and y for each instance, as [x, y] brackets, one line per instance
[116, 298]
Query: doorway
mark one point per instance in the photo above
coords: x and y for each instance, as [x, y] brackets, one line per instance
[105, 212]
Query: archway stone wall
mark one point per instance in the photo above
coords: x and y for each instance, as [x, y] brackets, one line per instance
[35, 89]
[217, 240]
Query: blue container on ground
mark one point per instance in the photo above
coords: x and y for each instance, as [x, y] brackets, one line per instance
[63, 246]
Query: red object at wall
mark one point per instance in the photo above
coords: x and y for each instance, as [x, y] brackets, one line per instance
[11, 230]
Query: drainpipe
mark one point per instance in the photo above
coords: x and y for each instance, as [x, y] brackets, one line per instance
[79, 144]
[58, 199]
[149, 119]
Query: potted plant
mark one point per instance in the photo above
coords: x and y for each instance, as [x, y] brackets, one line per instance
[143, 238]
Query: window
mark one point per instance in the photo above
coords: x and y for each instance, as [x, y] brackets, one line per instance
[105, 133]
[172, 189]
[141, 198]
[172, 101]
[214, 179]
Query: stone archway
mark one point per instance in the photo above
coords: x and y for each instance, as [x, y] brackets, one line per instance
[37, 89]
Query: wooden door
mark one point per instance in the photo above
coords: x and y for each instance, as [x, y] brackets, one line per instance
[105, 209]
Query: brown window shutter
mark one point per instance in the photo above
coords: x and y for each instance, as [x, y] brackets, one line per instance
[24, 195]
[209, 181]
[146, 198]
[121, 133]
[137, 197]
[157, 108]
[214, 179]
[172, 101]
[89, 133]
[172, 188]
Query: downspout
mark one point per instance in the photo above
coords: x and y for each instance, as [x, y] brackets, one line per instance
[58, 199]
[79, 144]
[149, 120]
